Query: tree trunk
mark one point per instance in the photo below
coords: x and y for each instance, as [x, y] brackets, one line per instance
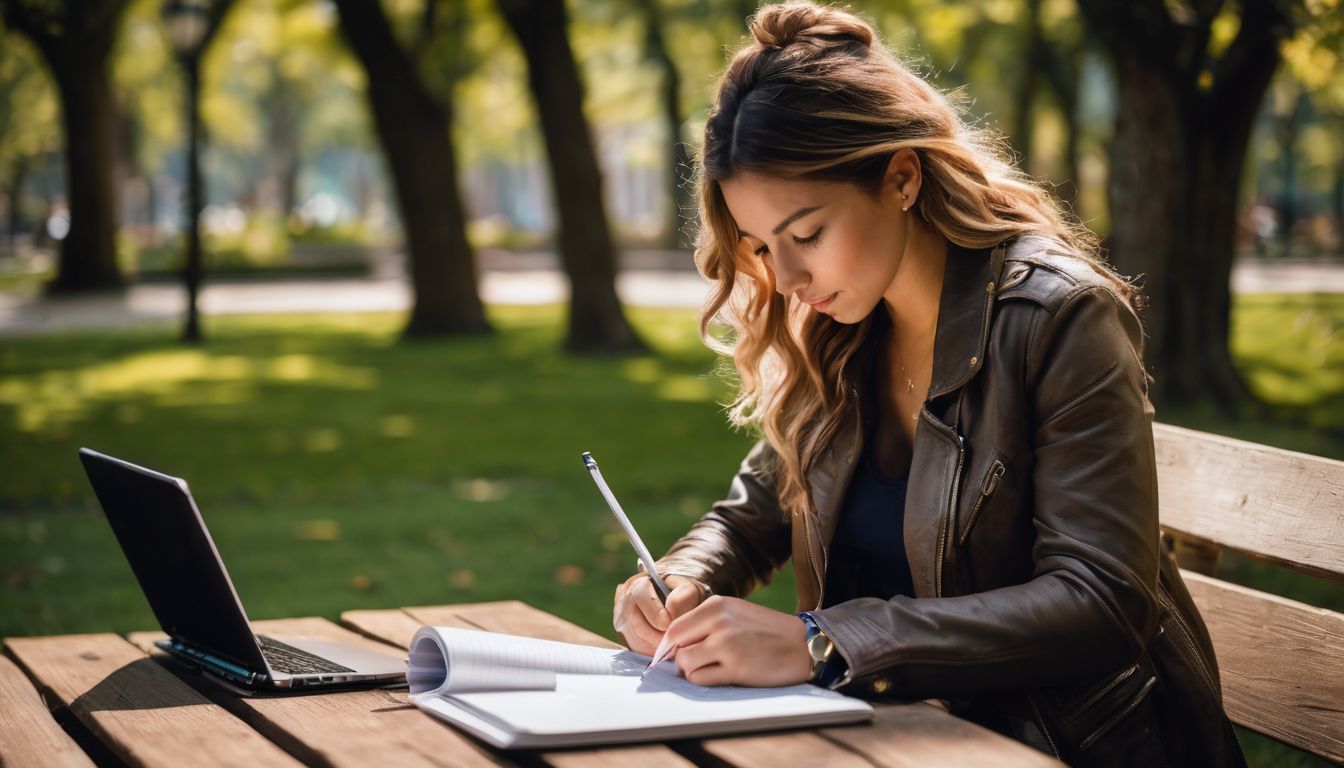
[597, 322]
[1287, 129]
[193, 270]
[88, 254]
[1176, 162]
[1026, 86]
[1339, 197]
[414, 132]
[16, 178]
[1148, 220]
[680, 200]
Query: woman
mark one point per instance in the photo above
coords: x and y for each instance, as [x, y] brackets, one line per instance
[957, 442]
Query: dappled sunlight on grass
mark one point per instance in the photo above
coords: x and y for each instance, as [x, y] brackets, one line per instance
[47, 399]
[1291, 349]
[685, 388]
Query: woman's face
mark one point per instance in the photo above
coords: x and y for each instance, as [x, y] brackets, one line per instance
[829, 244]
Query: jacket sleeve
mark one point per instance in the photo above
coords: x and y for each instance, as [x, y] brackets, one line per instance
[1091, 604]
[742, 540]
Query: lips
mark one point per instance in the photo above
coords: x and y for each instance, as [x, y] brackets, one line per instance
[820, 304]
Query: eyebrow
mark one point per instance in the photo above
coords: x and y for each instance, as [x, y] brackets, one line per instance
[796, 215]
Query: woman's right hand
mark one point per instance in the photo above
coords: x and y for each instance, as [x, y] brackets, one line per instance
[641, 618]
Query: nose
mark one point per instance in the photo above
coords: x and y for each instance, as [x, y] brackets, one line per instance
[789, 278]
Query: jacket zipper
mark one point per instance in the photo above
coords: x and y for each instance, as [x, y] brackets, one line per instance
[943, 535]
[1189, 638]
[1040, 723]
[812, 563]
[987, 488]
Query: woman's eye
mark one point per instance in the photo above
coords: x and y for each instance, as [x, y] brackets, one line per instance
[808, 241]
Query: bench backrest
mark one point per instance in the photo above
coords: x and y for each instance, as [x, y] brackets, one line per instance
[1281, 661]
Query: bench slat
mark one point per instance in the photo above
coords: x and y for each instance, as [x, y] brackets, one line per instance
[346, 728]
[918, 734]
[515, 618]
[137, 708]
[29, 735]
[1281, 506]
[1281, 663]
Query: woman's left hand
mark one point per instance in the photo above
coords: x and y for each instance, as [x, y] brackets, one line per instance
[730, 641]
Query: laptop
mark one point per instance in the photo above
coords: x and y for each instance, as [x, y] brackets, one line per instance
[160, 529]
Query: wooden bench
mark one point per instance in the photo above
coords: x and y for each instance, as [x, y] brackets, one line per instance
[1281, 661]
[122, 704]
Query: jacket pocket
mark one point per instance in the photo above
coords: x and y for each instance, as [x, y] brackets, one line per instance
[1113, 709]
[989, 483]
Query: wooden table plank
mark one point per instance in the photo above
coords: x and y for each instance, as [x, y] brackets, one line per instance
[390, 625]
[919, 734]
[137, 708]
[516, 618]
[345, 728]
[29, 735]
[512, 617]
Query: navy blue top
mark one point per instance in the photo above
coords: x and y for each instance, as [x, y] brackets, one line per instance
[867, 556]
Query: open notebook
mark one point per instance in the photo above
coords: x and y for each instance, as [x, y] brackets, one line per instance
[513, 691]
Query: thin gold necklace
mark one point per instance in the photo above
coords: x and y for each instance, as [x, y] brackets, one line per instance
[909, 384]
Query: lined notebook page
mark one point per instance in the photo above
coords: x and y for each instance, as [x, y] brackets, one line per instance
[455, 660]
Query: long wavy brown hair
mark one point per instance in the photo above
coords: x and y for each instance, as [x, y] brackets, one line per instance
[816, 96]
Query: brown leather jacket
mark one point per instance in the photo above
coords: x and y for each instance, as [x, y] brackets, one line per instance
[1045, 605]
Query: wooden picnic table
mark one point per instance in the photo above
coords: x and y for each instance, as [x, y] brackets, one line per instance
[111, 700]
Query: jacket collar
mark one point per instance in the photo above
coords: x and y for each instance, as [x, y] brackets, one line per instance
[964, 307]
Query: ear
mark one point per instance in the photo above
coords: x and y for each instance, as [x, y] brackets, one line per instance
[903, 177]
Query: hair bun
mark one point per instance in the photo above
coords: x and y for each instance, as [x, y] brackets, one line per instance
[781, 25]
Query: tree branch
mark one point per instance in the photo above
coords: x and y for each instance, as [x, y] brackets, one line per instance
[32, 23]
[1254, 52]
[1118, 24]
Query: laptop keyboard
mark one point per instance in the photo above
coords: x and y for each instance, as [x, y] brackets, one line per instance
[292, 661]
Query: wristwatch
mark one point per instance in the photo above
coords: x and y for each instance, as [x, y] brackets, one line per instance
[820, 648]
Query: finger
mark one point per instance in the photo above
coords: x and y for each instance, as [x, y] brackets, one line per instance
[682, 599]
[617, 622]
[713, 673]
[696, 624]
[637, 626]
[652, 607]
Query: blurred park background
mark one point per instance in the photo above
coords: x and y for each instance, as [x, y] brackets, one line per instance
[443, 249]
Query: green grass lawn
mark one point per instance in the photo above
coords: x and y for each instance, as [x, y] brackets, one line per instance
[339, 468]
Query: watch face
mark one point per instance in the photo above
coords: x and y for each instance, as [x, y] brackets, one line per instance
[819, 647]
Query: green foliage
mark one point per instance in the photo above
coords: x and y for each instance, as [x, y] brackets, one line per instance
[29, 120]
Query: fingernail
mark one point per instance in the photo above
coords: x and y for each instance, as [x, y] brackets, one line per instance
[664, 646]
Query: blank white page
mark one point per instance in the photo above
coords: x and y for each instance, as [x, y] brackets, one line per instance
[454, 660]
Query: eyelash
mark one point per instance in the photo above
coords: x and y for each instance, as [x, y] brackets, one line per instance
[806, 242]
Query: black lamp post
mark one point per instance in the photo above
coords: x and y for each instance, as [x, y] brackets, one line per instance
[187, 21]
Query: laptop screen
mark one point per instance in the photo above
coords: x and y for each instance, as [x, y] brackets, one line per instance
[171, 552]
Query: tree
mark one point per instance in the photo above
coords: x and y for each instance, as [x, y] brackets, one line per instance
[679, 194]
[28, 121]
[74, 39]
[413, 129]
[596, 320]
[1187, 100]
